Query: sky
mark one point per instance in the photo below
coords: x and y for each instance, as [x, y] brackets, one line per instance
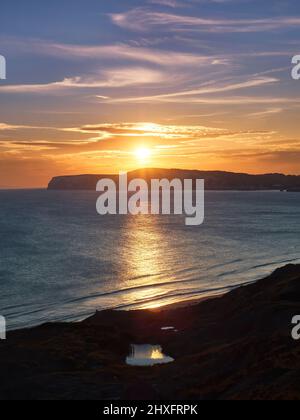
[100, 87]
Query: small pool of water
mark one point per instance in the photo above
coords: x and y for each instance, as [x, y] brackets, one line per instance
[147, 355]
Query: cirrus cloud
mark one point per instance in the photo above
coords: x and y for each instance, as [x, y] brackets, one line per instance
[145, 19]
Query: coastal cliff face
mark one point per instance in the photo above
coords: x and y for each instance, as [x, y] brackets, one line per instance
[213, 180]
[235, 347]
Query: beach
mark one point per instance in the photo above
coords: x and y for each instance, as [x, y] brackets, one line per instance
[238, 346]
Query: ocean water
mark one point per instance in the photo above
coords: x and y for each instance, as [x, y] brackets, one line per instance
[61, 261]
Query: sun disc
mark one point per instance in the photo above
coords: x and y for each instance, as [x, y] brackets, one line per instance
[143, 154]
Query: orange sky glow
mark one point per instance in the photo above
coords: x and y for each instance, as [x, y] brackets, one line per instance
[163, 85]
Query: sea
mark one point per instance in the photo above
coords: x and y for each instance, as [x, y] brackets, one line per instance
[61, 261]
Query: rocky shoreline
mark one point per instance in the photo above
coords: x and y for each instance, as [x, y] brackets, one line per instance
[235, 347]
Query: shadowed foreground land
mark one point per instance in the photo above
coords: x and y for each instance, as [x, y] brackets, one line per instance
[235, 347]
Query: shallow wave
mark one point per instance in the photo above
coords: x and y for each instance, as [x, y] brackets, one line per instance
[268, 264]
[166, 297]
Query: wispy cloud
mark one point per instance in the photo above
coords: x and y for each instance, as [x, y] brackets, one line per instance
[118, 52]
[145, 19]
[242, 100]
[147, 129]
[6, 127]
[266, 113]
[161, 136]
[10, 127]
[168, 3]
[112, 78]
[135, 51]
[181, 95]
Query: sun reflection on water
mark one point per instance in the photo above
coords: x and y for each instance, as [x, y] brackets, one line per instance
[144, 253]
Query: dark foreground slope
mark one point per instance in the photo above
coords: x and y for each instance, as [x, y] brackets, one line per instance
[235, 347]
[214, 180]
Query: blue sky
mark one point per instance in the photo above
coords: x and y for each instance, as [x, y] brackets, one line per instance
[83, 78]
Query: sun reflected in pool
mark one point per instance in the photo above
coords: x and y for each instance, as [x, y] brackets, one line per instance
[147, 355]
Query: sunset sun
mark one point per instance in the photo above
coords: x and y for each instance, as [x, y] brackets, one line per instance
[143, 154]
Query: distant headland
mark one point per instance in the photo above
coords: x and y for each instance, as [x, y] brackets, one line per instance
[214, 180]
